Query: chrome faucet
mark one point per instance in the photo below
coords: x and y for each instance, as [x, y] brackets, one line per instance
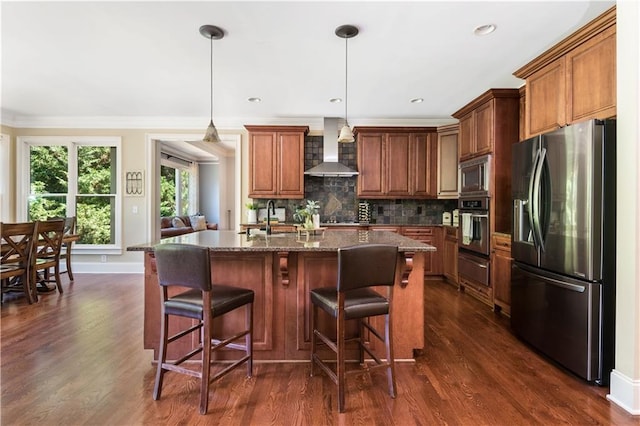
[271, 208]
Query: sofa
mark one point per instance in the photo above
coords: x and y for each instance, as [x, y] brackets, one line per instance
[170, 226]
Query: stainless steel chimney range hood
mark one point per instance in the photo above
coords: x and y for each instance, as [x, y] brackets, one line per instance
[330, 167]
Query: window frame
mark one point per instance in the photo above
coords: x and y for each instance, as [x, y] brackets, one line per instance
[23, 176]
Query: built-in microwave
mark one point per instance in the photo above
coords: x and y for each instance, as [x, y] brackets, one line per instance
[474, 176]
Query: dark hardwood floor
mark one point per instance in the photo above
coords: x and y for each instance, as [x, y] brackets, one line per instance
[77, 358]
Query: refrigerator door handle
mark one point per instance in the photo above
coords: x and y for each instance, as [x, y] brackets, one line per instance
[568, 286]
[553, 281]
[537, 229]
[528, 204]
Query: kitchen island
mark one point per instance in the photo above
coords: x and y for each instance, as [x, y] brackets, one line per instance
[282, 269]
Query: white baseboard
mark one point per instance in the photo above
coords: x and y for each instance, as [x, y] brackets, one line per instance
[625, 392]
[108, 268]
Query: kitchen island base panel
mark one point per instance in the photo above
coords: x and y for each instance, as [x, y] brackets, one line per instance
[282, 308]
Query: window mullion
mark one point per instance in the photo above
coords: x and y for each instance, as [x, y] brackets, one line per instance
[73, 179]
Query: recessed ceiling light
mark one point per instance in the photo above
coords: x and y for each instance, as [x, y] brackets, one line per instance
[335, 100]
[255, 100]
[417, 100]
[484, 29]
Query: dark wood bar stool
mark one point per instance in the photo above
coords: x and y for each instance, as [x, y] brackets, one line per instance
[190, 266]
[17, 252]
[359, 269]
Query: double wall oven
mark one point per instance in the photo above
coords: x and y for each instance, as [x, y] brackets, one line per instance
[474, 222]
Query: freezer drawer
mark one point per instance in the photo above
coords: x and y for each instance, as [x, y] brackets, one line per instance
[560, 317]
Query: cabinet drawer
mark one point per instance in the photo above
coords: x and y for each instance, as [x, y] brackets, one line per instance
[395, 229]
[501, 242]
[417, 232]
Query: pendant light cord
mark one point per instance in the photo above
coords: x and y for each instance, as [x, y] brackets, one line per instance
[346, 87]
[211, 79]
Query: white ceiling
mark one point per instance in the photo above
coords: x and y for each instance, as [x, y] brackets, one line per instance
[145, 64]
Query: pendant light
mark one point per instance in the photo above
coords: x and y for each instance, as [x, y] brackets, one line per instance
[346, 32]
[212, 33]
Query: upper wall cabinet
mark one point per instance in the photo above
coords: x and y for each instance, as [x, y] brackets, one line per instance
[448, 161]
[486, 121]
[591, 78]
[574, 80]
[490, 124]
[276, 161]
[397, 162]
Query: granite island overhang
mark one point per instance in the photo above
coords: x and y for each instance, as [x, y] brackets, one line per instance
[282, 269]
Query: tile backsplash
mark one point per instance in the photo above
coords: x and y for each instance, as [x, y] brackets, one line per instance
[338, 200]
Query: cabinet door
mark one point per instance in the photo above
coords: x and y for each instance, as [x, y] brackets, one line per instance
[398, 172]
[450, 257]
[429, 235]
[591, 78]
[545, 98]
[484, 128]
[448, 164]
[262, 161]
[425, 164]
[370, 165]
[466, 141]
[501, 274]
[290, 164]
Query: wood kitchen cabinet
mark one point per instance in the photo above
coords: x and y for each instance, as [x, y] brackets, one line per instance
[465, 144]
[545, 101]
[448, 161]
[450, 254]
[396, 162]
[487, 121]
[501, 272]
[276, 161]
[573, 81]
[428, 235]
[490, 124]
[591, 78]
[371, 163]
[522, 131]
[425, 178]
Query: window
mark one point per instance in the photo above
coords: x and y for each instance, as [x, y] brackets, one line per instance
[74, 177]
[178, 186]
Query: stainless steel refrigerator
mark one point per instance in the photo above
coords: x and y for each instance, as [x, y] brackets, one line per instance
[563, 246]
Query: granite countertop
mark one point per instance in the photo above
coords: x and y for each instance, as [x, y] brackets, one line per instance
[327, 241]
[345, 224]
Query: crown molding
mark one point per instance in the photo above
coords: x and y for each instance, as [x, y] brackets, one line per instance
[315, 124]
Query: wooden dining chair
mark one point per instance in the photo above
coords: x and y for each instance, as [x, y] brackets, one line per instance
[67, 242]
[47, 253]
[17, 251]
[359, 268]
[190, 266]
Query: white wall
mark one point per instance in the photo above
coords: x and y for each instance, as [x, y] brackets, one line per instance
[625, 380]
[208, 195]
[6, 179]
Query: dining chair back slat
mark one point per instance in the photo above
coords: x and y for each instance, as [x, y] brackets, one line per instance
[17, 253]
[67, 242]
[47, 252]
